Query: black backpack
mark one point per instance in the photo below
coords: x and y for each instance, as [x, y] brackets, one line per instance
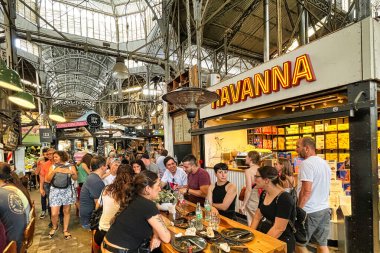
[61, 180]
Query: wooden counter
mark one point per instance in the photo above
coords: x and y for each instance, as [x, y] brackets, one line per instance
[261, 243]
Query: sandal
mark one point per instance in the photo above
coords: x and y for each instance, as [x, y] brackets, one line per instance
[67, 235]
[52, 232]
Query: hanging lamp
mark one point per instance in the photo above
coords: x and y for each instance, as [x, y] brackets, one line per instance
[9, 79]
[57, 115]
[191, 99]
[120, 71]
[23, 99]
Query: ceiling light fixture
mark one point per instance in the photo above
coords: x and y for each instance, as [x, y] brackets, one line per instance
[191, 99]
[340, 101]
[313, 106]
[9, 78]
[120, 71]
[293, 109]
[23, 99]
[245, 119]
[57, 115]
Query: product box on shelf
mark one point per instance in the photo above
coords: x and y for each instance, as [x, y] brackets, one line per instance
[344, 140]
[319, 128]
[331, 141]
[320, 141]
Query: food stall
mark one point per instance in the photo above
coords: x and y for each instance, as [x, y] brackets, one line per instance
[327, 90]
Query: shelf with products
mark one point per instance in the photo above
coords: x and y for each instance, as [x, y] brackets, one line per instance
[331, 135]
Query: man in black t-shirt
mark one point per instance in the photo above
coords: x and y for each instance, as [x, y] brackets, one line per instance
[12, 215]
[91, 190]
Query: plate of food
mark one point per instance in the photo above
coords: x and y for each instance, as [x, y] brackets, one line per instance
[182, 243]
[209, 234]
[237, 234]
[181, 223]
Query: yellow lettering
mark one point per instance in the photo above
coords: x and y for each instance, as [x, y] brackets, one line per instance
[303, 70]
[216, 103]
[235, 92]
[281, 76]
[225, 96]
[262, 83]
[247, 89]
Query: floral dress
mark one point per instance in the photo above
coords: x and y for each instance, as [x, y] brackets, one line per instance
[62, 197]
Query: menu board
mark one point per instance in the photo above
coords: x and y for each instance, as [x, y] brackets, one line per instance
[181, 129]
[178, 129]
[186, 129]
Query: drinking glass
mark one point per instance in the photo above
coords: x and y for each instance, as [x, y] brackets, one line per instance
[214, 221]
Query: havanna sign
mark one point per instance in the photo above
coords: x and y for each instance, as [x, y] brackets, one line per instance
[271, 80]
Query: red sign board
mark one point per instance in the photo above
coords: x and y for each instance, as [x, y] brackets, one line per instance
[72, 124]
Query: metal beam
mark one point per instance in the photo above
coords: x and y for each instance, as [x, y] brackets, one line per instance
[266, 31]
[364, 171]
[231, 32]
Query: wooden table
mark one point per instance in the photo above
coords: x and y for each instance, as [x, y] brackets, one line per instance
[261, 243]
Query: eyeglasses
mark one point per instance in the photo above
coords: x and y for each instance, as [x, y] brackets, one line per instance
[256, 176]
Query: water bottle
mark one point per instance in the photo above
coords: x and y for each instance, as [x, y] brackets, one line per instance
[198, 217]
[207, 210]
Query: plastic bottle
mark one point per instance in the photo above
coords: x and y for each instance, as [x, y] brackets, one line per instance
[198, 217]
[207, 210]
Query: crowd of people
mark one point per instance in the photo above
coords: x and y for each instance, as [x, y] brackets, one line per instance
[126, 190]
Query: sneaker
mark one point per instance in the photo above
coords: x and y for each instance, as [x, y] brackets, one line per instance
[42, 215]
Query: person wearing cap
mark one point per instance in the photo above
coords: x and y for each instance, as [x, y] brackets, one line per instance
[222, 195]
[12, 210]
[173, 177]
[148, 164]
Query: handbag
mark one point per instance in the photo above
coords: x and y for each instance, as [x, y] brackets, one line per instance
[264, 225]
[299, 226]
[242, 194]
[97, 214]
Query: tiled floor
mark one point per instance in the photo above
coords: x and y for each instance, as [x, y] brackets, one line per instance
[80, 242]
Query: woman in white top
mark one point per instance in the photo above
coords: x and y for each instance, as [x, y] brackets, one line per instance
[251, 197]
[112, 198]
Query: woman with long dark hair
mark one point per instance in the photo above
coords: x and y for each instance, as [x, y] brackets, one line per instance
[84, 170]
[139, 226]
[285, 171]
[138, 166]
[112, 198]
[276, 205]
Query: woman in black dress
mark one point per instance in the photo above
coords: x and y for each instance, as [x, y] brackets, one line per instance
[139, 226]
[222, 195]
[276, 206]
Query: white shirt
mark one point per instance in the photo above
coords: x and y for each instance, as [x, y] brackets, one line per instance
[110, 208]
[180, 177]
[316, 170]
[109, 179]
[161, 166]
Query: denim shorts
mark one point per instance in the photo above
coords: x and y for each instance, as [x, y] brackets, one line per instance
[318, 227]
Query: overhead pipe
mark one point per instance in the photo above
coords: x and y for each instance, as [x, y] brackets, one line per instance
[266, 30]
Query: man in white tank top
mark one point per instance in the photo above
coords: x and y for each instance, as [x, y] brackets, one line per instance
[313, 194]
